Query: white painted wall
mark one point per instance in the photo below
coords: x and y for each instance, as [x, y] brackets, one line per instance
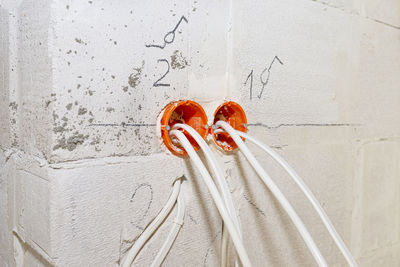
[82, 170]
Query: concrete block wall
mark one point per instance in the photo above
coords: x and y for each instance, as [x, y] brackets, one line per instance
[82, 169]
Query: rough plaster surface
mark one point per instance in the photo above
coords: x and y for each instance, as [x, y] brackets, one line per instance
[82, 171]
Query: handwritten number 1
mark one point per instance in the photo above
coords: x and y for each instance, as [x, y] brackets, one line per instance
[251, 83]
[263, 82]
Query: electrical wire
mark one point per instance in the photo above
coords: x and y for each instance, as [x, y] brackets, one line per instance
[222, 184]
[300, 182]
[215, 195]
[178, 222]
[276, 192]
[148, 232]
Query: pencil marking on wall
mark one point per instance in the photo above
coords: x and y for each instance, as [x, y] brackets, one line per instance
[73, 216]
[157, 83]
[169, 37]
[264, 82]
[209, 249]
[251, 202]
[251, 83]
[191, 218]
[149, 188]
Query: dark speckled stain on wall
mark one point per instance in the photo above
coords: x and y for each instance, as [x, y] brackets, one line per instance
[82, 111]
[178, 61]
[134, 77]
[71, 142]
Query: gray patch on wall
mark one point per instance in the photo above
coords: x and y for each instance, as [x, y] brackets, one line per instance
[134, 77]
[71, 142]
[13, 105]
[82, 111]
[178, 61]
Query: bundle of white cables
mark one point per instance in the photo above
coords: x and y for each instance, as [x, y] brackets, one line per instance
[222, 184]
[176, 196]
[225, 203]
[222, 204]
[278, 194]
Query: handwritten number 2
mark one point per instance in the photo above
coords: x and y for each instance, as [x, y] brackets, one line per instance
[157, 83]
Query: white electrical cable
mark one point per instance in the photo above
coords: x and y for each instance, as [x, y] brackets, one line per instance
[223, 185]
[324, 217]
[178, 222]
[276, 192]
[148, 232]
[215, 195]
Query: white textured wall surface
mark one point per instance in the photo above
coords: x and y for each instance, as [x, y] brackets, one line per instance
[82, 170]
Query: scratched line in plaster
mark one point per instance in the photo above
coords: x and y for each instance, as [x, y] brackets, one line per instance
[304, 124]
[355, 12]
[123, 124]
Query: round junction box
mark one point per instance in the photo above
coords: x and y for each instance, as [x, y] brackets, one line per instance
[232, 113]
[187, 112]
